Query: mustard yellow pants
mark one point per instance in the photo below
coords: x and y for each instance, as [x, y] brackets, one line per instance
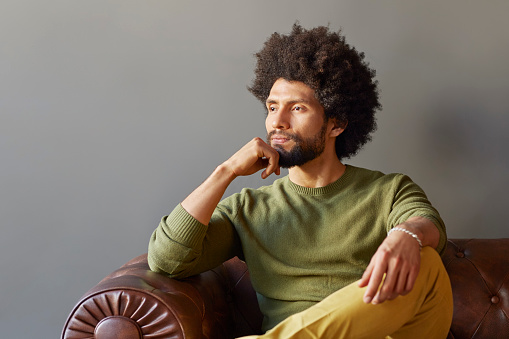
[425, 312]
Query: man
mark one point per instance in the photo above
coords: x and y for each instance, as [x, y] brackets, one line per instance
[334, 251]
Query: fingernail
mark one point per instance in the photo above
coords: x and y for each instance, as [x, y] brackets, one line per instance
[367, 300]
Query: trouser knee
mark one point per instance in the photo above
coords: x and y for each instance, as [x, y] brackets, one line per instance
[431, 262]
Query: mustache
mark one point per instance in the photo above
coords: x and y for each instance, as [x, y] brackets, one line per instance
[283, 134]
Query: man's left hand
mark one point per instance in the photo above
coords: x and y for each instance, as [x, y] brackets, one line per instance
[398, 259]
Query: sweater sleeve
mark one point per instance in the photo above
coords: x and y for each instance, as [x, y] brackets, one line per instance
[411, 201]
[181, 246]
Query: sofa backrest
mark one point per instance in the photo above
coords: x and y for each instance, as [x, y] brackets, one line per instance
[479, 273]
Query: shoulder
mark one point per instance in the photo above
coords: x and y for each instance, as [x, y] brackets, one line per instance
[362, 176]
[377, 182]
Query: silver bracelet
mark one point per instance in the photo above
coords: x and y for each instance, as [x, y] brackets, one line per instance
[412, 234]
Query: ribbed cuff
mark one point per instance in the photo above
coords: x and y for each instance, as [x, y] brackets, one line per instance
[184, 228]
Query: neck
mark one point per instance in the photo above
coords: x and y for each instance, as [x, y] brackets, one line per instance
[319, 172]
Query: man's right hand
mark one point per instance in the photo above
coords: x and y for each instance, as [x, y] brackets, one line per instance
[254, 156]
[251, 158]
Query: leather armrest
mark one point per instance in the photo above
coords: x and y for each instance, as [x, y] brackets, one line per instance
[134, 302]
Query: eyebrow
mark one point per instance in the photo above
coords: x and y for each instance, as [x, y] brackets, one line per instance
[295, 101]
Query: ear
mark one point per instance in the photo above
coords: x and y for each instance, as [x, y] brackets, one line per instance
[337, 128]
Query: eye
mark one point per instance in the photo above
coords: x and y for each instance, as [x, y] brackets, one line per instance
[298, 108]
[272, 108]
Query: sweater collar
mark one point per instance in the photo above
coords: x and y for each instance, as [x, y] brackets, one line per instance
[330, 188]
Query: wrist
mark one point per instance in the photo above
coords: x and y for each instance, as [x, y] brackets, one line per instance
[424, 228]
[407, 232]
[224, 172]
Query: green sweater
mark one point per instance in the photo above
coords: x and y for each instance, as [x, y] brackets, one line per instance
[300, 244]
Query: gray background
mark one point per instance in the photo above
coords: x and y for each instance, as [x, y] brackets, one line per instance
[111, 112]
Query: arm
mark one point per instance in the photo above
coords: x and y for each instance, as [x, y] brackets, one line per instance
[186, 242]
[253, 157]
[398, 255]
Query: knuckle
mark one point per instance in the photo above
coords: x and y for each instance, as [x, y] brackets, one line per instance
[397, 261]
[386, 252]
[384, 257]
[385, 290]
[257, 140]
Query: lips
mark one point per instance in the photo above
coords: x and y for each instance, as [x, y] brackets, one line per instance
[279, 140]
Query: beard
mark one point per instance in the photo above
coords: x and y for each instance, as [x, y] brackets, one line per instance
[303, 151]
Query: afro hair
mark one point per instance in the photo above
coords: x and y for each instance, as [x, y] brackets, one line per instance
[343, 82]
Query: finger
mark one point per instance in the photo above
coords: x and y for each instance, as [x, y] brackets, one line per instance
[363, 281]
[273, 161]
[374, 283]
[400, 286]
[412, 277]
[386, 291]
[264, 163]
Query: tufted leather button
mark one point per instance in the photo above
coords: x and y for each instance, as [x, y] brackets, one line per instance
[117, 327]
[495, 299]
[460, 254]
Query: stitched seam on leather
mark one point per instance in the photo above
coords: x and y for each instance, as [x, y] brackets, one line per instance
[502, 283]
[503, 311]
[487, 287]
[241, 277]
[498, 292]
[480, 322]
[480, 274]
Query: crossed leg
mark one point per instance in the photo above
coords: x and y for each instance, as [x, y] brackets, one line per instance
[425, 312]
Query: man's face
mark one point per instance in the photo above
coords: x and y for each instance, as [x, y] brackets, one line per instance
[296, 124]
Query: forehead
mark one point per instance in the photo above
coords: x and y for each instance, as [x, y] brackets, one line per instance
[295, 91]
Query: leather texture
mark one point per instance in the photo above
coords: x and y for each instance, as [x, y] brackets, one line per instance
[479, 273]
[134, 302]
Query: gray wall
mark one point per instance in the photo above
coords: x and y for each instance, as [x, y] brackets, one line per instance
[111, 112]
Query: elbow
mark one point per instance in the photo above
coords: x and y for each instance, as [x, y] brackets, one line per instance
[170, 258]
[167, 269]
[169, 265]
[154, 267]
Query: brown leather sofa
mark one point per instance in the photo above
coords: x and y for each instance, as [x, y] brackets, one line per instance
[134, 302]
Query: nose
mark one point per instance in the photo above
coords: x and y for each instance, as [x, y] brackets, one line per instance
[280, 120]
